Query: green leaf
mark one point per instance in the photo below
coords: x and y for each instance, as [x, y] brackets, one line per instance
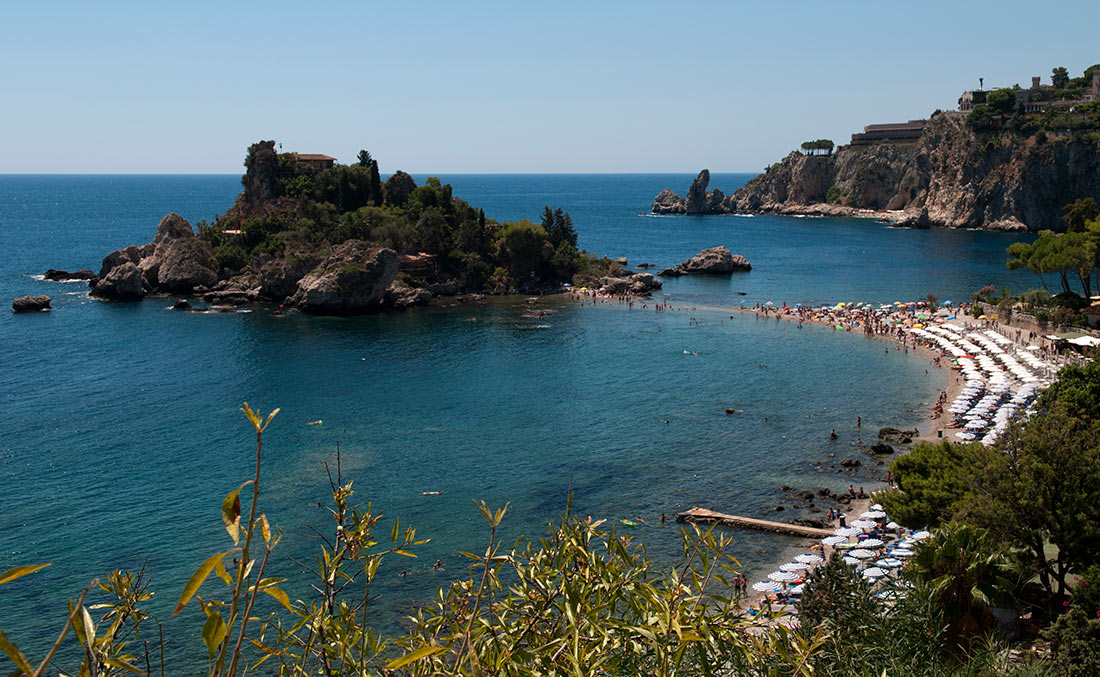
[213, 632]
[265, 528]
[414, 656]
[220, 572]
[197, 579]
[15, 655]
[231, 513]
[123, 665]
[19, 572]
[279, 596]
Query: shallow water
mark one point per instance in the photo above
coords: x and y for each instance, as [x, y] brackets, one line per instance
[122, 432]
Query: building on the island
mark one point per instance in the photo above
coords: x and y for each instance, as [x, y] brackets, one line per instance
[1092, 313]
[894, 132]
[1034, 99]
[311, 161]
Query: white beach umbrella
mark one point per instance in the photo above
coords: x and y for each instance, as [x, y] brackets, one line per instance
[870, 543]
[889, 562]
[977, 424]
[873, 572]
[797, 590]
[877, 506]
[921, 535]
[965, 436]
[901, 552]
[794, 566]
[864, 524]
[834, 540]
[851, 561]
[766, 586]
[873, 514]
[893, 525]
[847, 531]
[809, 558]
[782, 576]
[860, 553]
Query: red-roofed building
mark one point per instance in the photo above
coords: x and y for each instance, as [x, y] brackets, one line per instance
[314, 161]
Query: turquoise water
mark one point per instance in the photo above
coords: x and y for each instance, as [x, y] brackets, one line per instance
[121, 431]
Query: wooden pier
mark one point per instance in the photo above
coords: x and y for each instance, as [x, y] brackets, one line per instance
[705, 516]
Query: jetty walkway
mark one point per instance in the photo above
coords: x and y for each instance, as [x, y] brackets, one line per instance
[706, 516]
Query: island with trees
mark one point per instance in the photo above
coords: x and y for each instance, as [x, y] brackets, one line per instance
[310, 233]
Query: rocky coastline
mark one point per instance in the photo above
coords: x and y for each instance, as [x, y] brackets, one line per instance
[951, 177]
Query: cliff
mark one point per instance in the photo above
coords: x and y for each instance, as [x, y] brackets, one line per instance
[951, 177]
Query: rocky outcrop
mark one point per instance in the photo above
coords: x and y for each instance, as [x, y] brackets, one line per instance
[279, 279]
[123, 282]
[176, 261]
[352, 280]
[698, 201]
[713, 261]
[400, 296]
[30, 304]
[951, 177]
[638, 284]
[66, 276]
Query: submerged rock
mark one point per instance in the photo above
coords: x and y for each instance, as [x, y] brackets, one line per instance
[66, 276]
[30, 304]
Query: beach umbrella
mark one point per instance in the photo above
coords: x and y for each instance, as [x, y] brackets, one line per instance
[889, 562]
[794, 566]
[965, 436]
[860, 553]
[864, 524]
[870, 543]
[797, 590]
[920, 535]
[851, 560]
[834, 540]
[873, 514]
[893, 525]
[873, 572]
[901, 552]
[847, 531]
[766, 586]
[782, 576]
[809, 558]
[876, 506]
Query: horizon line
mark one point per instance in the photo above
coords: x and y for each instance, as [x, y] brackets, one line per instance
[429, 173]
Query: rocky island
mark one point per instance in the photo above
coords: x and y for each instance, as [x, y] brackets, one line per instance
[1009, 159]
[325, 238]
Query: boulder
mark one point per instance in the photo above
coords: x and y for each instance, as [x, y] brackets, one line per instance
[881, 448]
[401, 296]
[279, 279]
[895, 436]
[850, 463]
[131, 254]
[65, 276]
[351, 281]
[668, 202]
[622, 261]
[180, 260]
[124, 282]
[714, 261]
[614, 285]
[182, 304]
[644, 283]
[671, 272]
[30, 304]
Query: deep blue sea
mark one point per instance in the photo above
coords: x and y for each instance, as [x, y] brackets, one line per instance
[121, 433]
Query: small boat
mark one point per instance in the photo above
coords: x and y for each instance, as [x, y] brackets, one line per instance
[430, 493]
[317, 422]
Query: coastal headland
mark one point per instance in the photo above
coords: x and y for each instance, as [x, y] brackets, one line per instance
[1010, 164]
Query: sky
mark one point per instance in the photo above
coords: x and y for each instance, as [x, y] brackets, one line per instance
[498, 87]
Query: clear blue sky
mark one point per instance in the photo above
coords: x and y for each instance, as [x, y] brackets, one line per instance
[448, 87]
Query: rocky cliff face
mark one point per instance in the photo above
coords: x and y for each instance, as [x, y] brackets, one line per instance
[951, 177]
[176, 261]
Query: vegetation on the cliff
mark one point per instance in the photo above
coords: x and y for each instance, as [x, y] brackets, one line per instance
[302, 210]
[824, 146]
[1075, 252]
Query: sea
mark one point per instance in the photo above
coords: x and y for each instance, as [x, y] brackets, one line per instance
[121, 429]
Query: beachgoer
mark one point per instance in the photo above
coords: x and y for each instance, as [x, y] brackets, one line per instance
[859, 422]
[438, 566]
[662, 518]
[843, 519]
[832, 434]
[851, 491]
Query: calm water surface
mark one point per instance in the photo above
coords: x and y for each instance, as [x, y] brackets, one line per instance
[121, 432]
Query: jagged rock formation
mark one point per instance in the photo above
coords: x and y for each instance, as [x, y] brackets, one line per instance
[176, 261]
[951, 177]
[713, 261]
[400, 296]
[351, 281]
[698, 201]
[30, 304]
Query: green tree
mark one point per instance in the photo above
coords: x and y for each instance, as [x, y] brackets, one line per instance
[376, 196]
[1077, 213]
[398, 188]
[967, 575]
[981, 118]
[1002, 101]
[1059, 77]
[365, 160]
[1022, 255]
[521, 248]
[933, 482]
